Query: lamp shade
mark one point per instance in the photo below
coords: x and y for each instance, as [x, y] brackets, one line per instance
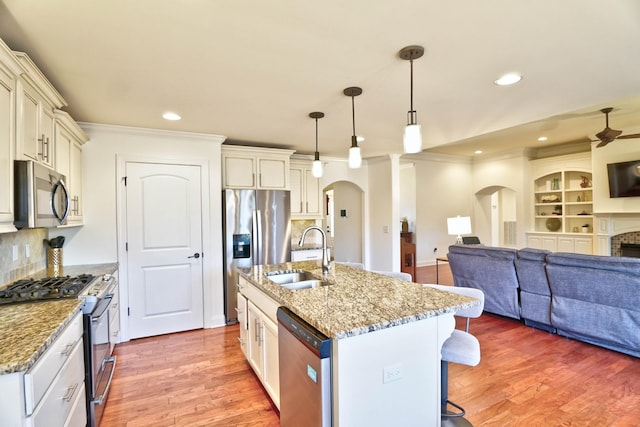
[412, 139]
[316, 169]
[355, 159]
[459, 225]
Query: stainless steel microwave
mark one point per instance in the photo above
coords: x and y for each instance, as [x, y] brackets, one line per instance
[41, 198]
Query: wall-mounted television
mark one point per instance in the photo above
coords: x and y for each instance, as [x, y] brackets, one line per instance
[624, 179]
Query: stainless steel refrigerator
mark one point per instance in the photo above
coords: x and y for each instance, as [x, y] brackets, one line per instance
[256, 230]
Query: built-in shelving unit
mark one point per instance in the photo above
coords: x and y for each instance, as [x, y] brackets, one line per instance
[565, 196]
[562, 204]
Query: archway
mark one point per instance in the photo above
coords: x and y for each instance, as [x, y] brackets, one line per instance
[495, 219]
[344, 220]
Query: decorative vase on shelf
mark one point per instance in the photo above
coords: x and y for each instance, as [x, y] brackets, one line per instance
[405, 225]
[584, 182]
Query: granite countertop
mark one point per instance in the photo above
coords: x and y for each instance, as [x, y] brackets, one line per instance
[356, 301]
[28, 329]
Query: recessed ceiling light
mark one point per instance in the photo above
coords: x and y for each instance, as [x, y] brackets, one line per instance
[477, 152]
[542, 138]
[171, 116]
[508, 79]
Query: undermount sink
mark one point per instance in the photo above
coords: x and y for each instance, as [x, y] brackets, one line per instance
[296, 280]
[290, 277]
[304, 284]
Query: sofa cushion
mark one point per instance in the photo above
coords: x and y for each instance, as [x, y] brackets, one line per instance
[530, 267]
[491, 270]
[596, 299]
[533, 254]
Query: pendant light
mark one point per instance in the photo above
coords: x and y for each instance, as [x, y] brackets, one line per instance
[355, 158]
[316, 168]
[412, 133]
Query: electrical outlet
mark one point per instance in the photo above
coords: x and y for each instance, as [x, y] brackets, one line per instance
[385, 229]
[392, 373]
[27, 250]
[14, 250]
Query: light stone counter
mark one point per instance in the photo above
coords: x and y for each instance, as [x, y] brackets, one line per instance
[28, 329]
[356, 301]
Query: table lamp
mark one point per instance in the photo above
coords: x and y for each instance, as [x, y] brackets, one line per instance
[459, 225]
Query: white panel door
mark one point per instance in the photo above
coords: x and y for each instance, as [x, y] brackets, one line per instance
[164, 243]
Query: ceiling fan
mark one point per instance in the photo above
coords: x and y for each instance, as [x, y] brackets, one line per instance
[608, 135]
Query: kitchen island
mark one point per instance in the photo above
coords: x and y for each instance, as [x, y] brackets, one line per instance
[386, 334]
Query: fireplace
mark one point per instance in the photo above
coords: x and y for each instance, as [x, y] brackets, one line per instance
[626, 244]
[630, 250]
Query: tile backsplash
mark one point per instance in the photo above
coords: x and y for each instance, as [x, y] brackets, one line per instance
[298, 226]
[11, 270]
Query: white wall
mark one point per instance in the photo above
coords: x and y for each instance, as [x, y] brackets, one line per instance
[97, 241]
[384, 213]
[348, 231]
[408, 193]
[443, 190]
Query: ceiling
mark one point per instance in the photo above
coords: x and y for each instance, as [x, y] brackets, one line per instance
[253, 70]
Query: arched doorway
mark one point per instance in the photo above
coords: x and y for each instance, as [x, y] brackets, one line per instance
[496, 216]
[344, 213]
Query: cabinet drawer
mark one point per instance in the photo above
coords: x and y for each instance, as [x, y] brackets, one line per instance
[59, 400]
[78, 415]
[306, 255]
[39, 377]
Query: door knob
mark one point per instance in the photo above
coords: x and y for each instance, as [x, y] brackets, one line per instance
[196, 256]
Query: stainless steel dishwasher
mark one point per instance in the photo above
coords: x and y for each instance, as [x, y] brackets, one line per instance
[305, 373]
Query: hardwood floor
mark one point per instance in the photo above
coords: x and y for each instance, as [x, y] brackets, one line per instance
[526, 377]
[195, 378]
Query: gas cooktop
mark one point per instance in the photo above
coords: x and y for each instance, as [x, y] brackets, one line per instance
[47, 289]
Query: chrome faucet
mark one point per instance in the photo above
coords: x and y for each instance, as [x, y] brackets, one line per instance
[325, 255]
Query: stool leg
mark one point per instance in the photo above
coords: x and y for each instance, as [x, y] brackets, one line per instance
[444, 386]
[449, 419]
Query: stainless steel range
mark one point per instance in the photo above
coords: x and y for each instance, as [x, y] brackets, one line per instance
[96, 293]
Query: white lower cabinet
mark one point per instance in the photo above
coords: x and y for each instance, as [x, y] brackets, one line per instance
[263, 350]
[241, 310]
[57, 404]
[561, 242]
[260, 338]
[52, 391]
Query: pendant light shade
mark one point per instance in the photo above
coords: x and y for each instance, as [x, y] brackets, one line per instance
[316, 166]
[355, 158]
[412, 139]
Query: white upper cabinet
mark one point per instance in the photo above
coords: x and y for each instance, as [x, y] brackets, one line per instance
[36, 101]
[69, 138]
[305, 191]
[254, 167]
[9, 70]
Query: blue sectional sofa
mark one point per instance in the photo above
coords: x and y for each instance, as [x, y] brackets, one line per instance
[595, 299]
[491, 270]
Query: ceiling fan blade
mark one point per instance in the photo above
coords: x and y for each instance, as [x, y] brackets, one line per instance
[630, 136]
[602, 144]
[608, 133]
